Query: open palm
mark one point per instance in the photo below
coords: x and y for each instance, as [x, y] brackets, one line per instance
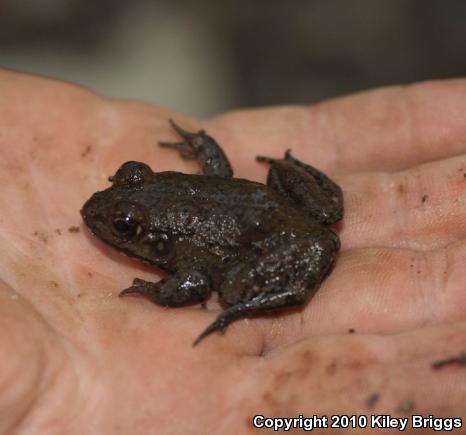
[76, 357]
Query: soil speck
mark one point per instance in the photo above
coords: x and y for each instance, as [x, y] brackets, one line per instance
[86, 151]
[373, 399]
[406, 406]
[41, 236]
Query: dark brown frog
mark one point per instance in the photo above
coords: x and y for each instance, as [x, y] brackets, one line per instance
[262, 247]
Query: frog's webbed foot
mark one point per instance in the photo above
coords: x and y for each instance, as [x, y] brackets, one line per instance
[200, 146]
[187, 148]
[308, 186]
[179, 289]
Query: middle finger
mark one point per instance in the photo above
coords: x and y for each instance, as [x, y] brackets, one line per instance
[421, 208]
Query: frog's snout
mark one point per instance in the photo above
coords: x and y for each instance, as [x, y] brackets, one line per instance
[93, 210]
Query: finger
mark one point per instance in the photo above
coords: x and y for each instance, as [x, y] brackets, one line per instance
[383, 129]
[354, 375]
[390, 290]
[421, 208]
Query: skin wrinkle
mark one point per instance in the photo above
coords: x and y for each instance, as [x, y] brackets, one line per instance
[30, 238]
[386, 184]
[398, 220]
[27, 404]
[402, 198]
[30, 405]
[426, 286]
[439, 275]
[65, 274]
[51, 382]
[449, 269]
[47, 380]
[44, 311]
[436, 275]
[32, 168]
[69, 363]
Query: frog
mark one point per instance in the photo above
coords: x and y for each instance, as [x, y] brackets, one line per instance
[262, 247]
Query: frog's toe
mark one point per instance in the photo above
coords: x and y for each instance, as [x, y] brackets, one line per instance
[185, 149]
[264, 159]
[185, 134]
[219, 325]
[287, 155]
[129, 290]
[176, 145]
[139, 287]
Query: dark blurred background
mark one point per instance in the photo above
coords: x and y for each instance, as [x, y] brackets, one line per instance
[205, 57]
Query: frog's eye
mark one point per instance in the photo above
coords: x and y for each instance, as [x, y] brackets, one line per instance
[131, 174]
[127, 221]
[126, 227]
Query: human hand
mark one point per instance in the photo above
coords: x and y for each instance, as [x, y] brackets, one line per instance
[76, 357]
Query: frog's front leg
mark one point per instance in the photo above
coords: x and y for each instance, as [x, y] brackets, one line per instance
[306, 185]
[184, 287]
[285, 276]
[201, 146]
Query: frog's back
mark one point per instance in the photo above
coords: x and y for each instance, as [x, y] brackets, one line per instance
[212, 190]
[222, 209]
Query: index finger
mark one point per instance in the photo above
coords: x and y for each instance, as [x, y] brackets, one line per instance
[384, 129]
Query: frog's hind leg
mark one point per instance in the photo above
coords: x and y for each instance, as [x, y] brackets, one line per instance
[202, 147]
[307, 186]
[262, 302]
[294, 271]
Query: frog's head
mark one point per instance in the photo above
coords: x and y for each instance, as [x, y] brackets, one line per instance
[116, 217]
